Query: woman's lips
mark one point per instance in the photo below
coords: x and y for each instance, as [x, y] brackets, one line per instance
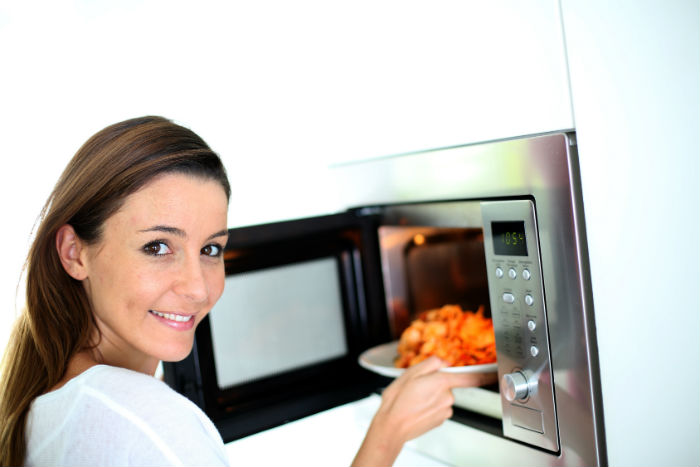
[174, 320]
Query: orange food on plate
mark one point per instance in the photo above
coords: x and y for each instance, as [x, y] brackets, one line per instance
[456, 336]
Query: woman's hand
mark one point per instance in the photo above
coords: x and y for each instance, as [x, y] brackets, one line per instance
[418, 401]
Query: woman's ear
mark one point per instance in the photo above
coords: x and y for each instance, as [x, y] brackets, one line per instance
[70, 247]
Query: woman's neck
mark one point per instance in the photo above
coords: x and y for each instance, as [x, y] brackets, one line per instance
[76, 365]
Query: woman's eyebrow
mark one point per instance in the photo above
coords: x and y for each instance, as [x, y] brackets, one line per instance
[180, 232]
[165, 229]
[221, 233]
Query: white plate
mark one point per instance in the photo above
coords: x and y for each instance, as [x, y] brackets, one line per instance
[380, 359]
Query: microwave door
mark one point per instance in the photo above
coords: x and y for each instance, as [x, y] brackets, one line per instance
[302, 300]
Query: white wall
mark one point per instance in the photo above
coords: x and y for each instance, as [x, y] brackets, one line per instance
[635, 84]
[280, 89]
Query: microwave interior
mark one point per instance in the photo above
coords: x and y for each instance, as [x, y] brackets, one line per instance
[304, 298]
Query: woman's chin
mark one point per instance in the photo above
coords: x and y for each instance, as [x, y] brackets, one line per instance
[175, 353]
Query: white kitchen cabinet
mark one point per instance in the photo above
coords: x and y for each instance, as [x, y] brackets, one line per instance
[413, 75]
[635, 69]
[330, 84]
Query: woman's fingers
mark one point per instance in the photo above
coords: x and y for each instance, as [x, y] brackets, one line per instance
[424, 368]
[428, 365]
[421, 398]
[429, 369]
[455, 380]
[432, 364]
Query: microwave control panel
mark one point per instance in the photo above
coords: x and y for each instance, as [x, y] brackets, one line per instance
[518, 308]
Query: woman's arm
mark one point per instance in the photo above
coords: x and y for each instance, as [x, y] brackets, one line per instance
[418, 401]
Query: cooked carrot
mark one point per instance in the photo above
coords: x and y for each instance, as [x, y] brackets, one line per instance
[459, 337]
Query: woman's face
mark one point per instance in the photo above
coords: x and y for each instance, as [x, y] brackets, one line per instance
[157, 270]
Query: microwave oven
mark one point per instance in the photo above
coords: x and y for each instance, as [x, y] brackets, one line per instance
[496, 226]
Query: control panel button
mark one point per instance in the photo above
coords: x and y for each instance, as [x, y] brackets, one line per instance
[529, 300]
[531, 325]
[526, 274]
[534, 351]
[508, 297]
[512, 273]
[499, 272]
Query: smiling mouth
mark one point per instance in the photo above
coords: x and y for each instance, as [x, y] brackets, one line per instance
[172, 316]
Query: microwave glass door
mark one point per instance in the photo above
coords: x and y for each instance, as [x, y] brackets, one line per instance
[298, 325]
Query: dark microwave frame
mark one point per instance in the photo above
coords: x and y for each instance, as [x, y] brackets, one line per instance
[251, 407]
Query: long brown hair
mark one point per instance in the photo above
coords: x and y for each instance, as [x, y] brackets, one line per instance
[58, 321]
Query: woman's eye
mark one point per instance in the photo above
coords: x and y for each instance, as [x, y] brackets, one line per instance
[212, 250]
[156, 249]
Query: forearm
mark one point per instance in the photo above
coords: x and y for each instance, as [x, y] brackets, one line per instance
[380, 447]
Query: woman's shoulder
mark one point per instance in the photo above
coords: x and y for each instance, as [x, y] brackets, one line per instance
[121, 386]
[99, 374]
[116, 380]
[127, 408]
[131, 393]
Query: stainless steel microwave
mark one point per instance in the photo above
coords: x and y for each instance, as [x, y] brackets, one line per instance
[496, 225]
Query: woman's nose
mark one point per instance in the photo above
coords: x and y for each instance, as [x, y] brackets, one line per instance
[191, 282]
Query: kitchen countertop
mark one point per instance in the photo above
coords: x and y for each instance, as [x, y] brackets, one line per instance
[329, 438]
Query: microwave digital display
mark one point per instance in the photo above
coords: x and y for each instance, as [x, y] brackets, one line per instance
[509, 238]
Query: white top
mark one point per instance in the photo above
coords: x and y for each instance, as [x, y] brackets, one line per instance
[114, 416]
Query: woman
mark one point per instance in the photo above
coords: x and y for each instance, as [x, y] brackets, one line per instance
[126, 261]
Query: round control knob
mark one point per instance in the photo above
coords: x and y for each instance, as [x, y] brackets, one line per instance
[515, 386]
